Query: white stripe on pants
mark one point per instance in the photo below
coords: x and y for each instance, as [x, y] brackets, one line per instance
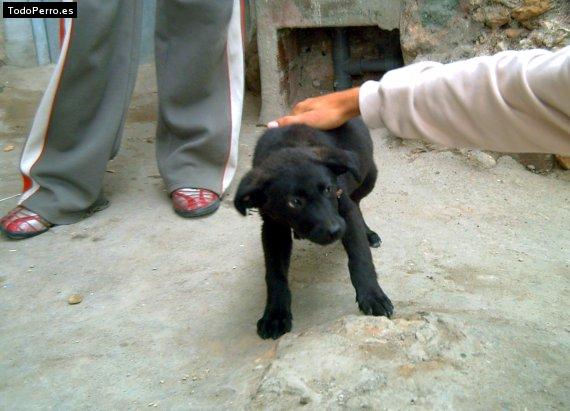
[234, 51]
[36, 140]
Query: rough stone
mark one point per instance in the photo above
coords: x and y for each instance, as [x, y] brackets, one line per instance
[475, 29]
[548, 37]
[536, 162]
[442, 39]
[496, 16]
[502, 46]
[481, 158]
[361, 358]
[508, 3]
[437, 13]
[564, 161]
[531, 9]
[304, 400]
[75, 299]
[513, 33]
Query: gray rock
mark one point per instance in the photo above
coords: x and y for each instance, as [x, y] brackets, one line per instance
[481, 158]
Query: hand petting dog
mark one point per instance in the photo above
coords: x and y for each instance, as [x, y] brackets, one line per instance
[324, 112]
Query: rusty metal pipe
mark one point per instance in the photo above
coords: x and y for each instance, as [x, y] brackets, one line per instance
[345, 67]
[341, 56]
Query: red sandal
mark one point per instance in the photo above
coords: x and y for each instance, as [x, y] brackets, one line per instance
[22, 223]
[194, 202]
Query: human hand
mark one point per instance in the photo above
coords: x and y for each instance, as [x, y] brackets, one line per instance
[324, 112]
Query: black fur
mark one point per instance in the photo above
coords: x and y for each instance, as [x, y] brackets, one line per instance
[310, 182]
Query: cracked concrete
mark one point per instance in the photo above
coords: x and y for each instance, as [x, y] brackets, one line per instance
[475, 258]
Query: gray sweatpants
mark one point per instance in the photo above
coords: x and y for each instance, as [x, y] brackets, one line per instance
[78, 125]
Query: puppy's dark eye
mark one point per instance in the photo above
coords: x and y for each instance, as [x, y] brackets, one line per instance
[295, 203]
[328, 189]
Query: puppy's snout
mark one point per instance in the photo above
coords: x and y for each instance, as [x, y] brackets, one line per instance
[328, 232]
[334, 231]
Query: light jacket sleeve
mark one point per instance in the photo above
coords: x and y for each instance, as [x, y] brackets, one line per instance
[514, 101]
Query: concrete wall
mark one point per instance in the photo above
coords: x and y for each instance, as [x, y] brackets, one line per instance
[22, 49]
[2, 43]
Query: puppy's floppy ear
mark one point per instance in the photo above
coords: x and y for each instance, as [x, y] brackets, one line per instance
[339, 161]
[250, 191]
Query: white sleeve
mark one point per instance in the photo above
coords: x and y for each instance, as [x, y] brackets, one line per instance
[514, 101]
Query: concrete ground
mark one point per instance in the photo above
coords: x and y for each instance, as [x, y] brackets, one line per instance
[476, 258]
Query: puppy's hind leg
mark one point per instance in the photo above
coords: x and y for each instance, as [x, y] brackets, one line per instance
[277, 245]
[362, 191]
[374, 239]
[369, 296]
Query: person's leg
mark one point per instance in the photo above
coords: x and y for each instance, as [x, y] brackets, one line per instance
[81, 114]
[199, 59]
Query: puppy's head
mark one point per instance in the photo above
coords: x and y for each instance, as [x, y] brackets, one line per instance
[298, 187]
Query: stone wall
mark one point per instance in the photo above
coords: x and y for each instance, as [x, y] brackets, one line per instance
[449, 30]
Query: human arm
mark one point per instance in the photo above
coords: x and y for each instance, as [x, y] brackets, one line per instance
[515, 101]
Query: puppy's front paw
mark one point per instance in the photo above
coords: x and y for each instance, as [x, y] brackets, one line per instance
[274, 325]
[375, 302]
[374, 239]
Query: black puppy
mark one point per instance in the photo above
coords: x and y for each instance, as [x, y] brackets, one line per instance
[311, 182]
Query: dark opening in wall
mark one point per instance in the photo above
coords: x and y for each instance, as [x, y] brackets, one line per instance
[308, 67]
